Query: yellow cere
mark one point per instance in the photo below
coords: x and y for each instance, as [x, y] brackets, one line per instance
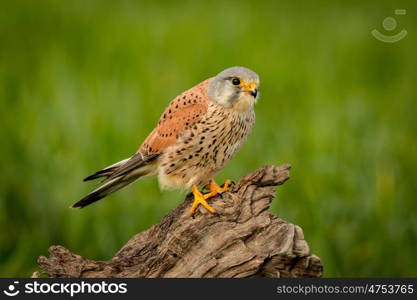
[249, 87]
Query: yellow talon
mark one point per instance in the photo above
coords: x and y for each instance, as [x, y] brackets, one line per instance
[199, 198]
[215, 189]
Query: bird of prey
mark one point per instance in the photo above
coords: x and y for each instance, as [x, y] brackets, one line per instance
[197, 134]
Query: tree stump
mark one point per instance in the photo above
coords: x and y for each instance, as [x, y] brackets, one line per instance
[243, 240]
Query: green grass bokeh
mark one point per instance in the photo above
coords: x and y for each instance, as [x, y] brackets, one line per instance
[83, 82]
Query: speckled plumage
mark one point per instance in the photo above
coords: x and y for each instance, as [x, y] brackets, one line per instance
[195, 137]
[205, 147]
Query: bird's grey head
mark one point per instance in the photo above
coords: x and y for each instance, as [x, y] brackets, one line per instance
[235, 87]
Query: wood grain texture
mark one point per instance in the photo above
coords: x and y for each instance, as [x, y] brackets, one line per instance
[243, 240]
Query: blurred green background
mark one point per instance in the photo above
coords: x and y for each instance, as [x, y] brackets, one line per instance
[83, 82]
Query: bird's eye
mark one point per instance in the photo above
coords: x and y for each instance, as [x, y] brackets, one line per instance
[235, 81]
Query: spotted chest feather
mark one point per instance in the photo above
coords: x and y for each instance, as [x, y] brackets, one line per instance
[205, 147]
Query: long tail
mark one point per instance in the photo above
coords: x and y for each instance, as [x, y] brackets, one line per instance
[106, 172]
[117, 176]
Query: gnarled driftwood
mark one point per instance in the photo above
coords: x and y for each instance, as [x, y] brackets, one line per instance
[243, 240]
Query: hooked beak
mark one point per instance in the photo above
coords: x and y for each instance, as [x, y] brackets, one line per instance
[251, 89]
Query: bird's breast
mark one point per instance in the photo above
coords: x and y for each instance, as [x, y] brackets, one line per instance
[205, 148]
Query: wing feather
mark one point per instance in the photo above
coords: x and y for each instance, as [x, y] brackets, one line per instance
[182, 113]
[107, 171]
[136, 161]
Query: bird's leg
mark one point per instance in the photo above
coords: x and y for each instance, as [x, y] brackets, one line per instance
[199, 198]
[215, 189]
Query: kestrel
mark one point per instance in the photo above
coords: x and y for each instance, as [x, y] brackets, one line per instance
[198, 133]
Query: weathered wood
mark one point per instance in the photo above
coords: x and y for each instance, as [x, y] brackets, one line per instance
[243, 240]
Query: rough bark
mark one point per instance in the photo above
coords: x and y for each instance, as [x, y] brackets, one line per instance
[243, 240]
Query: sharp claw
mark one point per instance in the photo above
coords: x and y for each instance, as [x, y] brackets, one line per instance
[199, 199]
[214, 190]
